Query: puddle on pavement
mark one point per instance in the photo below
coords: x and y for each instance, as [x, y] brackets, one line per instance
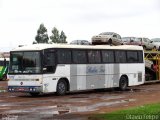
[79, 97]
[2, 104]
[2, 90]
[135, 90]
[143, 90]
[3, 108]
[129, 100]
[76, 100]
[112, 97]
[68, 108]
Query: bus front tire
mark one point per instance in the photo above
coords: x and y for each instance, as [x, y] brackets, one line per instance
[61, 87]
[123, 83]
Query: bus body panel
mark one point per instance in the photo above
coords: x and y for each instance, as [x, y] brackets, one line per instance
[82, 77]
[50, 80]
[135, 74]
[49, 83]
[78, 77]
[97, 76]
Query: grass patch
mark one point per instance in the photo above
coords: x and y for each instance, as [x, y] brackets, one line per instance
[146, 112]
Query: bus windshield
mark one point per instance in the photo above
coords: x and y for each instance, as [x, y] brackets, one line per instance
[25, 62]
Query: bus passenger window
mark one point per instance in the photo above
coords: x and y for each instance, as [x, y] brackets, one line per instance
[49, 62]
[79, 57]
[132, 56]
[94, 56]
[64, 56]
[120, 56]
[140, 56]
[108, 56]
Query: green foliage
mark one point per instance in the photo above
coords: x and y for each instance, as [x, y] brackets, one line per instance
[42, 36]
[55, 35]
[63, 37]
[147, 112]
[56, 38]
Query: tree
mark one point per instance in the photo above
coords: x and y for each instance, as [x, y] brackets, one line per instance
[56, 38]
[63, 37]
[42, 36]
[55, 35]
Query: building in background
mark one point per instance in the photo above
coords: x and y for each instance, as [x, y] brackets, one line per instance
[4, 54]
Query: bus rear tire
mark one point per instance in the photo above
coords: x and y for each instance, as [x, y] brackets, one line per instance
[61, 87]
[123, 83]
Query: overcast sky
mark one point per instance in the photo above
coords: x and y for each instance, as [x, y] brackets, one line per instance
[79, 19]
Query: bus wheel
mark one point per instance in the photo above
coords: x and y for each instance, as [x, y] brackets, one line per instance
[123, 83]
[61, 87]
[34, 94]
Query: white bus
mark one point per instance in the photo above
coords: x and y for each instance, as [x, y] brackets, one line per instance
[44, 68]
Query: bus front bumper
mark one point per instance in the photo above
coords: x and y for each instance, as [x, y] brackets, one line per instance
[30, 89]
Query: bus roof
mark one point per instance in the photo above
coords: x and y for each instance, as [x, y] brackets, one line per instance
[36, 47]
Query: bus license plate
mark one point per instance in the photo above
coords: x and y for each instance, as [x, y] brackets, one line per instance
[21, 89]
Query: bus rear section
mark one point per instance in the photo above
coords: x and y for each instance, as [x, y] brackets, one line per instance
[112, 68]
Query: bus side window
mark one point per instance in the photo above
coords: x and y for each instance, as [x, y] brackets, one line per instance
[49, 62]
[107, 56]
[79, 57]
[132, 57]
[94, 56]
[140, 56]
[120, 56]
[64, 56]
